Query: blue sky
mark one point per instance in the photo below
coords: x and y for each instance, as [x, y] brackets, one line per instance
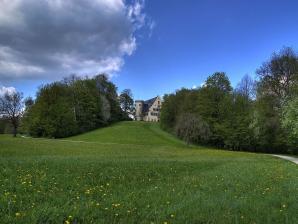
[179, 43]
[193, 39]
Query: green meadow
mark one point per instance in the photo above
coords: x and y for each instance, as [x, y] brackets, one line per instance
[133, 172]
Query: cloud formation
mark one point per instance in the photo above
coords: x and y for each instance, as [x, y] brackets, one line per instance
[54, 38]
[4, 90]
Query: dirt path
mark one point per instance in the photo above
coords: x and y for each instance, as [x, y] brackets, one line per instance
[290, 158]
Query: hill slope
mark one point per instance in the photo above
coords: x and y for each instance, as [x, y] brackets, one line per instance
[139, 133]
[133, 172]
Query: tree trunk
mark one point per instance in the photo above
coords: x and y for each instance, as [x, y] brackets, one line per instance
[14, 131]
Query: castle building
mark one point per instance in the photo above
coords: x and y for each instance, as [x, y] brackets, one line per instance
[148, 110]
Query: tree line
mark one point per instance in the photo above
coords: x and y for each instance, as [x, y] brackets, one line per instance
[68, 107]
[258, 115]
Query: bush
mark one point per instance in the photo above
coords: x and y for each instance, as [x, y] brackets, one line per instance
[192, 129]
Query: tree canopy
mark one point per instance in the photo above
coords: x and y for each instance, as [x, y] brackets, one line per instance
[258, 115]
[72, 106]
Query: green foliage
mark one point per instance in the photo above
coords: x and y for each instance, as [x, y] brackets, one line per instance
[168, 110]
[127, 102]
[219, 82]
[253, 117]
[278, 82]
[127, 180]
[109, 92]
[240, 134]
[267, 126]
[5, 126]
[174, 105]
[72, 106]
[87, 104]
[290, 122]
[52, 113]
[192, 129]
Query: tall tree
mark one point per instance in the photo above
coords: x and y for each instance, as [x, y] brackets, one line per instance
[219, 81]
[52, 113]
[290, 122]
[241, 116]
[168, 112]
[278, 79]
[11, 106]
[109, 90]
[214, 100]
[246, 87]
[126, 102]
[279, 76]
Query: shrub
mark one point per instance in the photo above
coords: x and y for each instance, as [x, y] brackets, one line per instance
[192, 129]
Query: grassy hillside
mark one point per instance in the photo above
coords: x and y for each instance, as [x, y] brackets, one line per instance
[133, 172]
[140, 133]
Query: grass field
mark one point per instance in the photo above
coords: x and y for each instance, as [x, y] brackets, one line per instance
[135, 173]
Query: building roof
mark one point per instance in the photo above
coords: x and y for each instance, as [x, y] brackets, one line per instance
[148, 103]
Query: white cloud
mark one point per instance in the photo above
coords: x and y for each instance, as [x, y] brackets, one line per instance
[135, 14]
[203, 84]
[53, 38]
[128, 46]
[4, 90]
[151, 25]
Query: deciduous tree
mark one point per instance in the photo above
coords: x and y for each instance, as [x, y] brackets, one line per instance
[11, 107]
[127, 102]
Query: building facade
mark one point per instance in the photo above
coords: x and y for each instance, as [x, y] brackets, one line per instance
[148, 110]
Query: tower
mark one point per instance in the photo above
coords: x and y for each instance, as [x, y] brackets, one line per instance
[139, 110]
